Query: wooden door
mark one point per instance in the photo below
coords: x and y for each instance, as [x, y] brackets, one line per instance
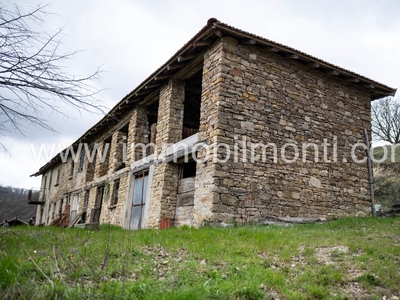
[139, 201]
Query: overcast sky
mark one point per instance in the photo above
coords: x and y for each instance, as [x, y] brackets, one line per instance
[131, 39]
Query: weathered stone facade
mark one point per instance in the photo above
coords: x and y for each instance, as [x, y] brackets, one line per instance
[259, 103]
[263, 98]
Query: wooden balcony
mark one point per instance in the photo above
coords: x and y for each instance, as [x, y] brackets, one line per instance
[33, 197]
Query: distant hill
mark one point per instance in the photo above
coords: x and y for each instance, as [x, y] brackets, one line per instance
[13, 203]
[387, 176]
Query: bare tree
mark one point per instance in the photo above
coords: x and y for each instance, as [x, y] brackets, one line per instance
[33, 73]
[386, 120]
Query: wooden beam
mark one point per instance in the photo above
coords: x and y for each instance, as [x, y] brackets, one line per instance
[150, 98]
[355, 80]
[273, 49]
[292, 56]
[191, 67]
[201, 44]
[218, 33]
[250, 42]
[151, 86]
[369, 86]
[137, 94]
[186, 57]
[335, 73]
[175, 66]
[314, 65]
[161, 77]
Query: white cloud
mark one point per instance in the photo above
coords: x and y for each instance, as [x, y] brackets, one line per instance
[133, 38]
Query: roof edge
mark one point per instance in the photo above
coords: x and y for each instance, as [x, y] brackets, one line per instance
[213, 28]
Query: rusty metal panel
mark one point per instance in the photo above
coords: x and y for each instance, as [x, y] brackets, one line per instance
[165, 223]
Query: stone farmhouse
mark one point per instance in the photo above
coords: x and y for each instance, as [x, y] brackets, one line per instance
[212, 136]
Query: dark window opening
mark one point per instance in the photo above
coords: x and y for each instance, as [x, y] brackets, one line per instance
[50, 179]
[71, 171]
[41, 216]
[95, 212]
[85, 205]
[115, 193]
[105, 157]
[86, 201]
[81, 161]
[121, 149]
[91, 166]
[191, 113]
[61, 206]
[188, 170]
[58, 176]
[44, 189]
[152, 116]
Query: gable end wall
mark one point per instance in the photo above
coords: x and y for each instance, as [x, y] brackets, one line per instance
[258, 96]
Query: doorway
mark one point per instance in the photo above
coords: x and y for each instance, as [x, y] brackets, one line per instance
[139, 200]
[96, 211]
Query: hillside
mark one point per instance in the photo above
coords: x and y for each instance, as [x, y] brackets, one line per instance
[13, 203]
[387, 177]
[345, 259]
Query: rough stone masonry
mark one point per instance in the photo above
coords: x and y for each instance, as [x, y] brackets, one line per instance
[281, 127]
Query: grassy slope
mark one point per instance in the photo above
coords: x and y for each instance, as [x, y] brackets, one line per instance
[344, 258]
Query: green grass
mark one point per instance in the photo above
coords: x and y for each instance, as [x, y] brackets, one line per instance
[346, 258]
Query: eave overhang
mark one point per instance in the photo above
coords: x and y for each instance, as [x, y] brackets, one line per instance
[192, 49]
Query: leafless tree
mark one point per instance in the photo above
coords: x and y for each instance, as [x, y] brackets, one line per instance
[33, 74]
[386, 120]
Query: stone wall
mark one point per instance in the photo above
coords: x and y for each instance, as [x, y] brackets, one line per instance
[89, 179]
[139, 132]
[255, 96]
[206, 187]
[250, 96]
[169, 130]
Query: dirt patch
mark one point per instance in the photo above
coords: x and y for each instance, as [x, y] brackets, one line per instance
[327, 255]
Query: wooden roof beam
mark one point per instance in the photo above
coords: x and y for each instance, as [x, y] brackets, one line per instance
[354, 80]
[314, 65]
[218, 33]
[250, 42]
[175, 66]
[191, 68]
[186, 57]
[292, 56]
[201, 44]
[161, 77]
[151, 86]
[150, 98]
[140, 93]
[272, 49]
